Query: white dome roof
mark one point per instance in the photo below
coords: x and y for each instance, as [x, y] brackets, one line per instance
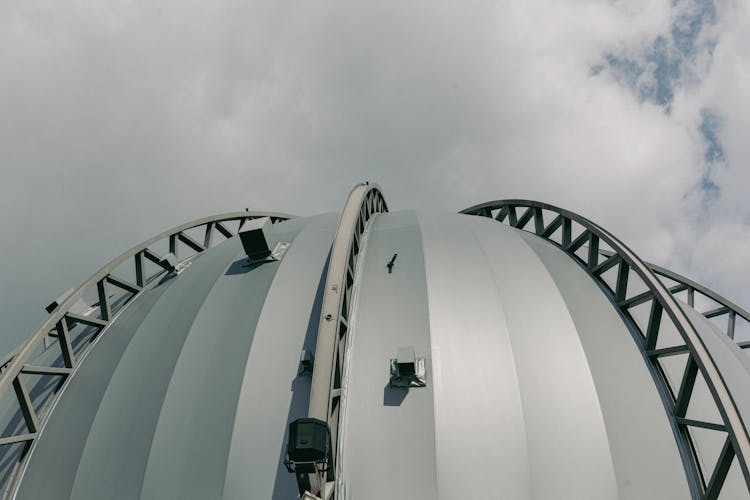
[537, 384]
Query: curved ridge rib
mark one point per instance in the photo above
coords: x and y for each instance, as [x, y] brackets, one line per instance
[364, 201]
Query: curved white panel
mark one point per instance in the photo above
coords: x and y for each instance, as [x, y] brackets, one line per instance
[535, 390]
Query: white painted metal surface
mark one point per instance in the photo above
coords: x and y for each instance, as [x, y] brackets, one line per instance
[535, 388]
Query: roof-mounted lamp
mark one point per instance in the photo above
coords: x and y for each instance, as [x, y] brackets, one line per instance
[407, 370]
[308, 453]
[257, 238]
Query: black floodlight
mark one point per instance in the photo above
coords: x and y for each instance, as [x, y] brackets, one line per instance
[309, 444]
[257, 239]
[308, 451]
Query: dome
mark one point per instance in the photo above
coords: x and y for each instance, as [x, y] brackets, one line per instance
[515, 350]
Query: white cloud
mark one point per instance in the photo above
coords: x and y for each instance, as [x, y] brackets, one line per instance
[118, 119]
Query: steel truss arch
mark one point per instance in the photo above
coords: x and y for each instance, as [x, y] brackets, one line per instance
[364, 201]
[575, 234]
[66, 317]
[725, 307]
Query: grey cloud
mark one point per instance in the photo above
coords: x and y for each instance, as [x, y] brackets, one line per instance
[118, 120]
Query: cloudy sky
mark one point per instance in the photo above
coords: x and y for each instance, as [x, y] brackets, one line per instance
[119, 119]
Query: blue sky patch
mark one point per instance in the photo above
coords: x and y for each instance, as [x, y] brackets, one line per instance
[656, 72]
[709, 129]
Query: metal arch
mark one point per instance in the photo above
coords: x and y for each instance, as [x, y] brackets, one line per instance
[704, 485]
[363, 202]
[726, 307]
[62, 319]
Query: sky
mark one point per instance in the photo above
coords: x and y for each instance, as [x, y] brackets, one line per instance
[119, 119]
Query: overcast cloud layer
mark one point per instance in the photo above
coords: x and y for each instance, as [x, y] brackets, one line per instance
[119, 119]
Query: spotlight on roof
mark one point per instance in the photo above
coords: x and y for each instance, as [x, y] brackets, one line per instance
[257, 239]
[309, 452]
[407, 370]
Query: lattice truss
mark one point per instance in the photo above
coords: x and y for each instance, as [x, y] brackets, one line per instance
[710, 444]
[58, 347]
[363, 203]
